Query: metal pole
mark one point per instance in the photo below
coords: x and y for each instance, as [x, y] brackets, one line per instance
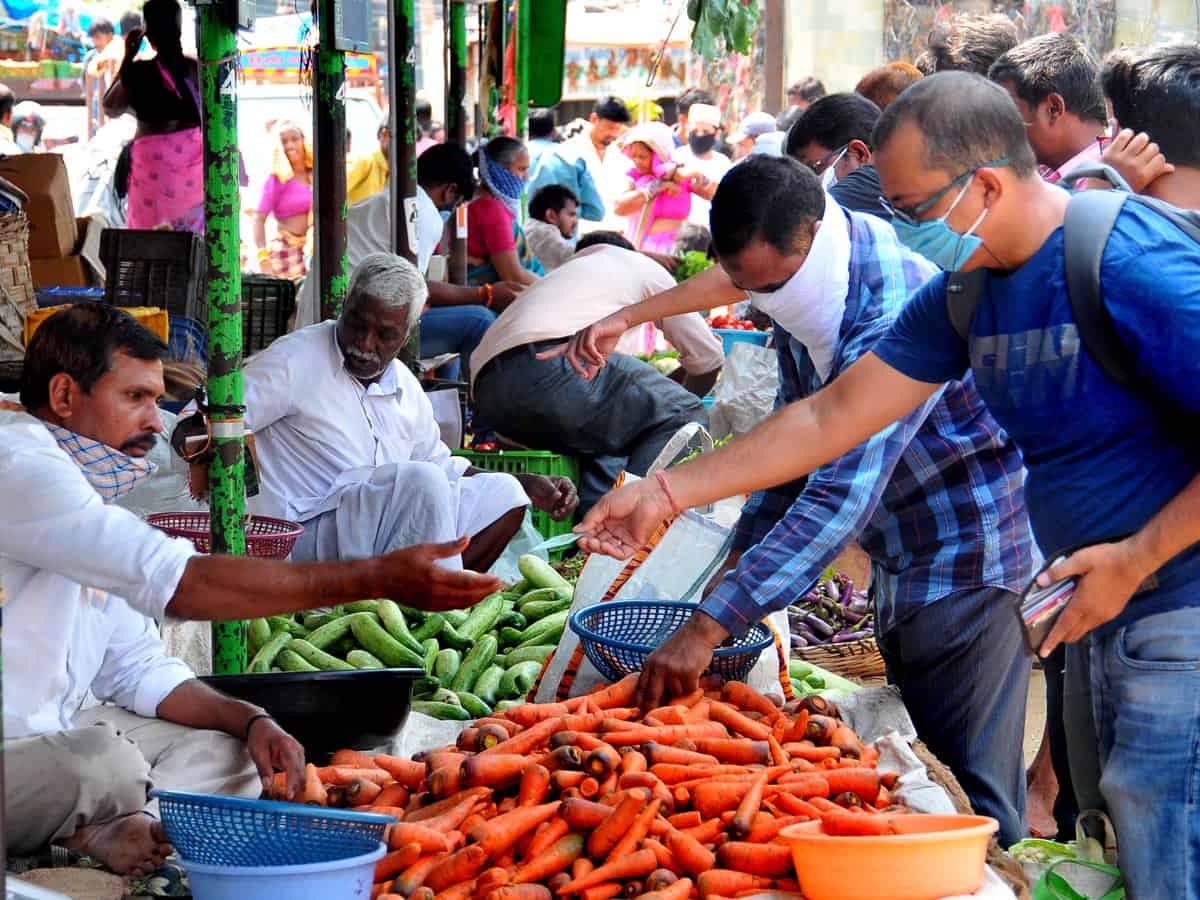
[774, 40]
[218, 92]
[329, 169]
[456, 127]
[521, 95]
[403, 115]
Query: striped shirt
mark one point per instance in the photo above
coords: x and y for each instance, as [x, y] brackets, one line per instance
[935, 499]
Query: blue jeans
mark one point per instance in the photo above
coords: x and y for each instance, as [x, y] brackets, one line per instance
[1146, 697]
[962, 669]
[454, 329]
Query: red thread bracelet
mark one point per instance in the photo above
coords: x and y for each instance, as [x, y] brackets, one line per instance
[661, 477]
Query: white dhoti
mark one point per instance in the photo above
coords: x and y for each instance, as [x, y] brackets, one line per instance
[401, 504]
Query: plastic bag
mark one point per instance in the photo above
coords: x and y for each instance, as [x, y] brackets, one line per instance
[1079, 879]
[745, 395]
[527, 540]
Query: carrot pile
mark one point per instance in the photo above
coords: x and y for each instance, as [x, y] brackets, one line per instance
[590, 799]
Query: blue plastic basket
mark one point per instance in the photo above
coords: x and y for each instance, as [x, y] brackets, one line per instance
[188, 340]
[231, 831]
[619, 635]
[731, 336]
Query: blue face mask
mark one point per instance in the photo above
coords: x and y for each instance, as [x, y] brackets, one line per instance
[445, 214]
[937, 241]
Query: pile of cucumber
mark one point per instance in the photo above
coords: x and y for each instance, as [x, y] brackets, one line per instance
[475, 660]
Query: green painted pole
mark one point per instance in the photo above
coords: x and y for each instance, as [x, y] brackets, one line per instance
[227, 482]
[524, 29]
[456, 127]
[403, 114]
[329, 128]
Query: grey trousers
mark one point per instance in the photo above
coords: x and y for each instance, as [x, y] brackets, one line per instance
[621, 419]
[102, 769]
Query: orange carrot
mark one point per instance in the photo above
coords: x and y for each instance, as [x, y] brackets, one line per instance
[381, 889]
[705, 832]
[692, 855]
[746, 698]
[803, 786]
[555, 882]
[608, 833]
[809, 751]
[666, 734]
[589, 787]
[552, 831]
[393, 795]
[453, 817]
[464, 890]
[459, 866]
[438, 808]
[767, 828]
[563, 779]
[584, 815]
[635, 865]
[396, 862]
[581, 867]
[633, 761]
[558, 857]
[493, 770]
[666, 859]
[736, 751]
[446, 780]
[535, 785]
[638, 830]
[421, 893]
[729, 882]
[405, 771]
[608, 785]
[843, 823]
[362, 793]
[750, 804]
[737, 722]
[412, 833]
[488, 736]
[767, 860]
[490, 880]
[355, 759]
[524, 742]
[498, 835]
[657, 754]
[314, 790]
[680, 890]
[593, 721]
[669, 715]
[699, 712]
[864, 782]
[779, 756]
[601, 761]
[531, 713]
[660, 878]
[520, 892]
[671, 774]
[600, 891]
[845, 740]
[823, 804]
[343, 775]
[414, 876]
[510, 728]
[688, 819]
[620, 693]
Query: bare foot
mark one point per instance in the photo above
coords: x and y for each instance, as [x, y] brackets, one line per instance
[131, 845]
[1042, 789]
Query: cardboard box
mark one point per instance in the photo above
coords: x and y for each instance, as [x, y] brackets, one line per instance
[43, 176]
[66, 271]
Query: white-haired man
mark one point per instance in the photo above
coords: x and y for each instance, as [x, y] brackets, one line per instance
[348, 445]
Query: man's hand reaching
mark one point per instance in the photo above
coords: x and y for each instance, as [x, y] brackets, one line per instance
[588, 350]
[274, 750]
[622, 521]
[674, 668]
[553, 494]
[414, 574]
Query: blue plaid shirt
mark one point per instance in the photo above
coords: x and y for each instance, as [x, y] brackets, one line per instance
[935, 499]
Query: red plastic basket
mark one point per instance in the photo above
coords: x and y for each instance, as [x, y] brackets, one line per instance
[266, 538]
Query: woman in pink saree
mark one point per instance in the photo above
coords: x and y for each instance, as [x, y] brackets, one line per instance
[659, 197]
[166, 175]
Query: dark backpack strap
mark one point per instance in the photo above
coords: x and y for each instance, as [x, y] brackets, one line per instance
[963, 290]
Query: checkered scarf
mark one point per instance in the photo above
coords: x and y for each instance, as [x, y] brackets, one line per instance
[112, 473]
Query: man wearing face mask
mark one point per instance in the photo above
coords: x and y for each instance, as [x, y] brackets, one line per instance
[703, 164]
[926, 498]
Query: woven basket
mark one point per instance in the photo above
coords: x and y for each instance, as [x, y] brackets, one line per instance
[853, 659]
[16, 285]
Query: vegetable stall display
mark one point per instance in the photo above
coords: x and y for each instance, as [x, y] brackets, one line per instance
[475, 660]
[833, 612]
[592, 799]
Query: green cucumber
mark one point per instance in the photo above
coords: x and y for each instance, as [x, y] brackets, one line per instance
[510, 637]
[315, 656]
[361, 659]
[451, 638]
[445, 667]
[538, 653]
[260, 633]
[455, 616]
[265, 657]
[315, 620]
[441, 710]
[512, 619]
[506, 705]
[288, 624]
[430, 628]
[445, 695]
[425, 685]
[394, 624]
[539, 609]
[544, 594]
[519, 679]
[329, 632]
[474, 705]
[487, 686]
[372, 638]
[520, 587]
[291, 661]
[539, 574]
[342, 646]
[501, 660]
[482, 617]
[430, 655]
[545, 631]
[360, 606]
[476, 661]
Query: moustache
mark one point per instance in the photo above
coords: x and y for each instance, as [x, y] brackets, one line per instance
[144, 441]
[364, 361]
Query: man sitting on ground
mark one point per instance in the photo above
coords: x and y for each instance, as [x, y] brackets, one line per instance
[622, 418]
[348, 445]
[86, 581]
[550, 230]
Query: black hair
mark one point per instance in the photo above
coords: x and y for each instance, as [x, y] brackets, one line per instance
[789, 117]
[966, 121]
[81, 341]
[833, 122]
[541, 124]
[969, 43]
[809, 89]
[611, 238]
[691, 97]
[764, 198]
[1157, 90]
[551, 197]
[130, 19]
[1053, 64]
[162, 16]
[100, 25]
[7, 100]
[883, 85]
[447, 164]
[423, 111]
[612, 109]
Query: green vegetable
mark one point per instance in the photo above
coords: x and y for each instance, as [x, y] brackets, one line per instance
[538, 653]
[808, 678]
[360, 606]
[288, 624]
[445, 695]
[505, 705]
[474, 705]
[265, 657]
[455, 617]
[510, 637]
[425, 685]
[260, 633]
[518, 679]
[430, 628]
[520, 587]
[372, 637]
[315, 620]
[545, 631]
[445, 667]
[482, 617]
[291, 661]
[330, 632]
[342, 646]
[512, 620]
[441, 710]
[539, 574]
[690, 264]
[394, 624]
[361, 659]
[488, 684]
[451, 638]
[430, 655]
[539, 609]
[315, 656]
[476, 661]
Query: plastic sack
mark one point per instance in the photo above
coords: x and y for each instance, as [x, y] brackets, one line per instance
[527, 540]
[745, 395]
[1079, 879]
[677, 566]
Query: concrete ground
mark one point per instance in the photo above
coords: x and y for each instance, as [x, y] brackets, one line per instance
[1035, 715]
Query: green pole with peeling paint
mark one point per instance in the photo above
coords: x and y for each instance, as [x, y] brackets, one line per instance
[521, 94]
[456, 127]
[329, 171]
[227, 481]
[402, 95]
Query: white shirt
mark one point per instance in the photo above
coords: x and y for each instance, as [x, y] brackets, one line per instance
[317, 429]
[546, 242]
[430, 229]
[85, 581]
[713, 168]
[608, 173]
[592, 284]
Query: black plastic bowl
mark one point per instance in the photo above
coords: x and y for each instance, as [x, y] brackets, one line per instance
[326, 711]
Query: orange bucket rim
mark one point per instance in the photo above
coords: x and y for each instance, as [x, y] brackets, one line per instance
[972, 826]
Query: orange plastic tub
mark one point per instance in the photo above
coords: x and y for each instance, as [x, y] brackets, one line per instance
[935, 857]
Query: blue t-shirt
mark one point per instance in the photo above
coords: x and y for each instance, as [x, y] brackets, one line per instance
[1102, 459]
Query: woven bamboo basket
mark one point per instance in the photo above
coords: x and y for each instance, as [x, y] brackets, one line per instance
[16, 285]
[853, 659]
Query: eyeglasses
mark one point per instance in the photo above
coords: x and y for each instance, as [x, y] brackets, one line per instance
[823, 163]
[911, 215]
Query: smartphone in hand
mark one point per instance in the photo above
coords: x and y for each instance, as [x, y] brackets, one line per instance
[1040, 607]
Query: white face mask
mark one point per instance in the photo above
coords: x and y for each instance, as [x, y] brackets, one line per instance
[26, 141]
[829, 176]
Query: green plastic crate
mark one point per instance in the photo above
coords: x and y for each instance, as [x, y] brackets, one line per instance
[536, 462]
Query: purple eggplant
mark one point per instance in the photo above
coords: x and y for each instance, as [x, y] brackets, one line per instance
[845, 637]
[819, 626]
